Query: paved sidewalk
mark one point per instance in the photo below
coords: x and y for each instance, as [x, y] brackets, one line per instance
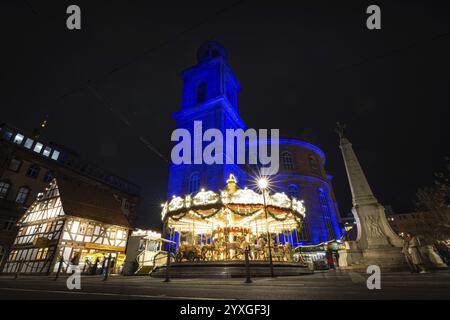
[324, 285]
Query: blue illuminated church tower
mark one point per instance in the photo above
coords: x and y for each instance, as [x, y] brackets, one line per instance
[210, 95]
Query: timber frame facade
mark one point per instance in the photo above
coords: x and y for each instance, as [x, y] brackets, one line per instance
[48, 234]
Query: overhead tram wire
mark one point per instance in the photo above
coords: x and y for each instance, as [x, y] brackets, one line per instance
[117, 114]
[89, 83]
[148, 51]
[394, 51]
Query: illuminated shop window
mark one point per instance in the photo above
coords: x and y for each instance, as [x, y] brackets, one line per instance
[18, 138]
[28, 143]
[286, 159]
[4, 188]
[38, 147]
[55, 155]
[47, 151]
[194, 183]
[22, 195]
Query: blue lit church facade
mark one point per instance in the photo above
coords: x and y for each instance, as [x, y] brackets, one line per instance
[210, 95]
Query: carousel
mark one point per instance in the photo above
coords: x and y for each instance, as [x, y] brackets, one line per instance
[216, 233]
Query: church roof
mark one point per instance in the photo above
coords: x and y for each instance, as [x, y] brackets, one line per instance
[84, 200]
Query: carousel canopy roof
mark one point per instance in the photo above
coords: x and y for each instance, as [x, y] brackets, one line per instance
[232, 196]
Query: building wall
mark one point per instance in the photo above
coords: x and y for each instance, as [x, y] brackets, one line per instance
[415, 223]
[306, 172]
[67, 164]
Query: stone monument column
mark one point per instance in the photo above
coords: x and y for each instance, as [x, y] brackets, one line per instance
[376, 243]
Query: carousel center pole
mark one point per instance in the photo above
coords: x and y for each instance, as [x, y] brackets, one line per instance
[263, 185]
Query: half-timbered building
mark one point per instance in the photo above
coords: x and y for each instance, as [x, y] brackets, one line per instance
[72, 223]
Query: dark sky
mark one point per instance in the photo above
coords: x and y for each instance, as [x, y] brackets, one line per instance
[302, 66]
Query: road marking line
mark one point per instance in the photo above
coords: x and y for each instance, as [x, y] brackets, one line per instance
[112, 294]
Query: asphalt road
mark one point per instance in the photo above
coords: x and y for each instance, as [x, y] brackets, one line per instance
[326, 285]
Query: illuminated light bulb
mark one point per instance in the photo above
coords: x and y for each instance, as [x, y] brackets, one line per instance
[263, 183]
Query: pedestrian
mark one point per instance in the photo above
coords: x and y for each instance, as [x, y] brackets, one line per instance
[330, 261]
[94, 267]
[405, 251]
[416, 256]
[336, 258]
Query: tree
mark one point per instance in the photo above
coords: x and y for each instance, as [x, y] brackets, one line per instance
[435, 201]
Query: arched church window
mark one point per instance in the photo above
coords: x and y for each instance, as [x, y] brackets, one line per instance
[326, 212]
[313, 164]
[294, 191]
[286, 159]
[201, 92]
[194, 183]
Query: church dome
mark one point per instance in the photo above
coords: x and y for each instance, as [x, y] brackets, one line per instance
[210, 50]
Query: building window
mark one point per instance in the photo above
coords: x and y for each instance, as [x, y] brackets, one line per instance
[201, 92]
[2, 253]
[47, 151]
[293, 191]
[326, 211]
[194, 183]
[4, 188]
[18, 138]
[33, 171]
[313, 164]
[38, 147]
[10, 223]
[42, 254]
[48, 176]
[55, 155]
[286, 159]
[7, 135]
[22, 195]
[15, 164]
[28, 143]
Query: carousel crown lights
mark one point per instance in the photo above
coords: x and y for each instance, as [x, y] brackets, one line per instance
[222, 223]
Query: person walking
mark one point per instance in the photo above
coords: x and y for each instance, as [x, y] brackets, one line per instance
[330, 260]
[416, 256]
[336, 257]
[405, 251]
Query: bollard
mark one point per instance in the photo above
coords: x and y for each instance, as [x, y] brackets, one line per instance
[19, 266]
[167, 279]
[247, 266]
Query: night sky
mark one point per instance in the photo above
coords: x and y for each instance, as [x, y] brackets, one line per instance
[302, 66]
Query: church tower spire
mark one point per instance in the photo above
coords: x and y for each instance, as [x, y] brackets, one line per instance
[210, 96]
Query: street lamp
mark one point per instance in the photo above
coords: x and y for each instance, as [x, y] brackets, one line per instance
[263, 184]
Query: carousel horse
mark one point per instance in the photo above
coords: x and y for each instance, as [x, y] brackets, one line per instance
[189, 252]
[260, 249]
